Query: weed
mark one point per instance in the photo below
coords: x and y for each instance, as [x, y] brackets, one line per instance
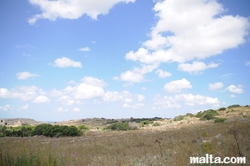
[220, 120]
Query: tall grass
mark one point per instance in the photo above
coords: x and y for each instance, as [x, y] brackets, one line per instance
[127, 148]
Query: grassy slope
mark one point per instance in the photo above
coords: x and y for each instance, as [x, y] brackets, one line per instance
[172, 143]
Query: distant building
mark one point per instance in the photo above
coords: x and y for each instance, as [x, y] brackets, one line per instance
[2, 122]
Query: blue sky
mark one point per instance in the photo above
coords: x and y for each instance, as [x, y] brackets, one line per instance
[72, 59]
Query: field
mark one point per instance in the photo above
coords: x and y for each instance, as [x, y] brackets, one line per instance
[172, 143]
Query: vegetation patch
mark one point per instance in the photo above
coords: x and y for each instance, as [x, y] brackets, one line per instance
[121, 126]
[232, 106]
[220, 120]
[207, 115]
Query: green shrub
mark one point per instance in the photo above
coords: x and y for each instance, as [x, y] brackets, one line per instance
[220, 120]
[235, 105]
[179, 118]
[83, 127]
[189, 114]
[145, 122]
[156, 124]
[121, 126]
[222, 109]
[207, 115]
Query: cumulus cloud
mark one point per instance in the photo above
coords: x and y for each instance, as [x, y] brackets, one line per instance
[162, 74]
[235, 89]
[190, 30]
[60, 109]
[86, 91]
[41, 99]
[72, 9]
[165, 102]
[66, 100]
[93, 81]
[89, 87]
[6, 108]
[24, 93]
[140, 97]
[216, 86]
[196, 67]
[84, 49]
[161, 102]
[177, 86]
[128, 99]
[137, 74]
[135, 106]
[66, 62]
[191, 99]
[25, 75]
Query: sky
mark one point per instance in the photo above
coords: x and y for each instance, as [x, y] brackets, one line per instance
[74, 59]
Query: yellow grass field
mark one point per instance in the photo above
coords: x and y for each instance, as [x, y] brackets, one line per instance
[143, 147]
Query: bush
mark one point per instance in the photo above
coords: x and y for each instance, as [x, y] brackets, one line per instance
[121, 126]
[179, 118]
[145, 122]
[189, 114]
[83, 127]
[56, 130]
[222, 109]
[220, 120]
[235, 105]
[156, 124]
[207, 115]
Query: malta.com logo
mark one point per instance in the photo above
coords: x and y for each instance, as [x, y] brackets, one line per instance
[209, 159]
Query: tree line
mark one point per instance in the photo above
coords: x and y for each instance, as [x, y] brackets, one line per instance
[41, 129]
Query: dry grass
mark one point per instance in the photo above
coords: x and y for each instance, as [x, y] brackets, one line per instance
[173, 146]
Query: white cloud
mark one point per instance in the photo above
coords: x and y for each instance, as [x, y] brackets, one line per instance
[235, 89]
[84, 49]
[24, 93]
[25, 75]
[6, 108]
[216, 86]
[128, 99]
[85, 91]
[76, 109]
[25, 107]
[60, 109]
[189, 99]
[3, 93]
[72, 9]
[196, 67]
[162, 74]
[247, 63]
[190, 30]
[66, 100]
[177, 86]
[135, 106]
[140, 97]
[93, 81]
[137, 74]
[165, 102]
[66, 62]
[89, 87]
[114, 96]
[41, 99]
